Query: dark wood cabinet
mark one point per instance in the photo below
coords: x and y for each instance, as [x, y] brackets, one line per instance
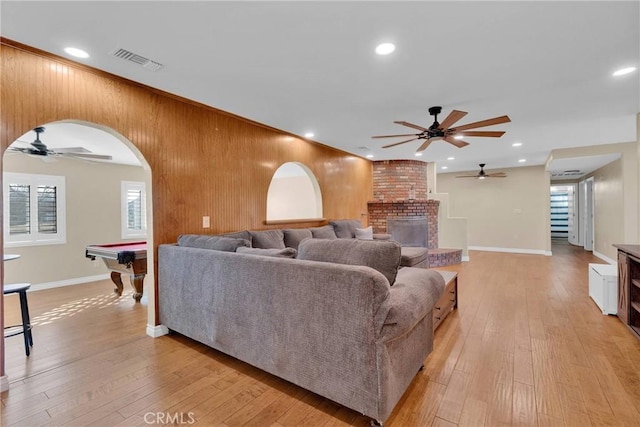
[629, 286]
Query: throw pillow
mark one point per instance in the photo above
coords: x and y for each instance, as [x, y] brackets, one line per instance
[277, 253]
[382, 256]
[293, 236]
[345, 228]
[364, 233]
[267, 239]
[216, 243]
[325, 232]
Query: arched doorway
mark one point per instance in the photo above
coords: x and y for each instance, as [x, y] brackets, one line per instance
[88, 200]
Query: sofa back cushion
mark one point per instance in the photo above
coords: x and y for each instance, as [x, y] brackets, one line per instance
[217, 243]
[238, 235]
[345, 228]
[325, 232]
[293, 236]
[278, 253]
[267, 239]
[383, 256]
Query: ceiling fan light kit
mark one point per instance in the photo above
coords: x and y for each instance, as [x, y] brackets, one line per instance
[445, 131]
[38, 148]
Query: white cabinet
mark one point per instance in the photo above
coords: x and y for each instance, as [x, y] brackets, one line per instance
[603, 287]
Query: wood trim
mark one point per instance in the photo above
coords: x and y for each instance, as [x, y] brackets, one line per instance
[293, 221]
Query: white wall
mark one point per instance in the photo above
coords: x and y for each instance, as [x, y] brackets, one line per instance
[291, 198]
[509, 213]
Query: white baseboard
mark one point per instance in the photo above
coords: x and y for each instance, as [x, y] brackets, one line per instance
[69, 282]
[465, 258]
[4, 383]
[605, 258]
[157, 331]
[510, 250]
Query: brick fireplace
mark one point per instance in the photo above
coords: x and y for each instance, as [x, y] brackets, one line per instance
[400, 190]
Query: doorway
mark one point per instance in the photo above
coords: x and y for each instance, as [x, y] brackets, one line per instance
[82, 203]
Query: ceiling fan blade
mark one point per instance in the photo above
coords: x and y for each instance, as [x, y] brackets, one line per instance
[411, 125]
[467, 176]
[485, 133]
[424, 145]
[457, 142]
[88, 156]
[483, 123]
[496, 175]
[392, 136]
[453, 117]
[71, 150]
[398, 143]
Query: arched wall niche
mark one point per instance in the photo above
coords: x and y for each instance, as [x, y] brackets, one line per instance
[294, 194]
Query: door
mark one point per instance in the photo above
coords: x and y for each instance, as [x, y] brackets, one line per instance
[588, 242]
[581, 207]
[623, 287]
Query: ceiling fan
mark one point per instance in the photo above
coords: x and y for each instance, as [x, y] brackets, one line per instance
[453, 135]
[38, 148]
[482, 174]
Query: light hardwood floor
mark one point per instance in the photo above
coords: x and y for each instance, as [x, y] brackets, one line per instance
[527, 346]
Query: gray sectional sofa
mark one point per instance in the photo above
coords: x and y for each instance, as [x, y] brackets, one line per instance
[341, 319]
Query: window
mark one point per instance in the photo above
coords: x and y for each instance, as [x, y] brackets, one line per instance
[134, 212]
[34, 210]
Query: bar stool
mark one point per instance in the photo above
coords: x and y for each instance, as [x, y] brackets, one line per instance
[21, 290]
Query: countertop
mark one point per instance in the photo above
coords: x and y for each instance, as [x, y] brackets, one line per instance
[630, 249]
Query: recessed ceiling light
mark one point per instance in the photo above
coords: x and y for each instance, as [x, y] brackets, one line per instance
[369, 156]
[522, 160]
[516, 144]
[418, 154]
[451, 158]
[623, 71]
[445, 167]
[78, 53]
[459, 136]
[385, 48]
[309, 135]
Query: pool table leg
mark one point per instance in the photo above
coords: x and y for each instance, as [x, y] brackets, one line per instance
[115, 278]
[137, 282]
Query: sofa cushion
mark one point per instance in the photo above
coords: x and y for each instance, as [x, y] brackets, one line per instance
[267, 239]
[382, 256]
[345, 228]
[413, 255]
[364, 233]
[325, 232]
[217, 243]
[238, 235]
[278, 253]
[293, 236]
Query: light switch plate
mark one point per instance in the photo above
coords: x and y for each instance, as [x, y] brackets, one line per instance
[206, 222]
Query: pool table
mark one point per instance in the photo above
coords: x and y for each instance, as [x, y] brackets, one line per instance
[128, 258]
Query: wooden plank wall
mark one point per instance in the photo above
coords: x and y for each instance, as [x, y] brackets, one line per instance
[203, 161]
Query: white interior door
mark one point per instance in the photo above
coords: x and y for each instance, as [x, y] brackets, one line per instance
[581, 208]
[588, 242]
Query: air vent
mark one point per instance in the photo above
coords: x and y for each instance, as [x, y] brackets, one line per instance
[364, 148]
[137, 59]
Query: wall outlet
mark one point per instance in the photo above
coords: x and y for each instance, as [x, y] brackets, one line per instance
[206, 222]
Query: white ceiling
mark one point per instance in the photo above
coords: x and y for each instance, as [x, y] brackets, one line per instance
[576, 167]
[310, 66]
